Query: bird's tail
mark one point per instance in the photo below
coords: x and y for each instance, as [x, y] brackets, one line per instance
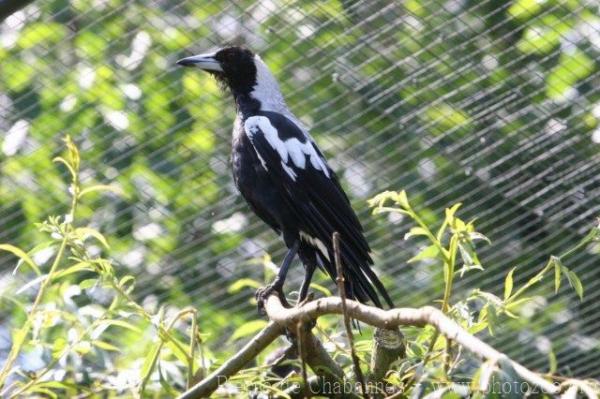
[361, 282]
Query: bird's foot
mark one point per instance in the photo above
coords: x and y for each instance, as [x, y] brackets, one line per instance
[309, 297]
[262, 294]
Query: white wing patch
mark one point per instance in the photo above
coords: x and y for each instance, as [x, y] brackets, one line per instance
[316, 243]
[289, 150]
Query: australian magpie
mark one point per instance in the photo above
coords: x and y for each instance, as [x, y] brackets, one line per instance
[285, 179]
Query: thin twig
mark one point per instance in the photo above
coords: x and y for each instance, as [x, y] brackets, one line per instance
[342, 290]
[163, 339]
[300, 345]
[193, 336]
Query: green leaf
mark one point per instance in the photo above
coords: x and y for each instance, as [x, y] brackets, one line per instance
[516, 303]
[446, 272]
[402, 199]
[430, 252]
[450, 212]
[415, 231]
[83, 348]
[150, 361]
[105, 346]
[19, 253]
[67, 164]
[58, 347]
[86, 232]
[39, 33]
[467, 268]
[78, 267]
[166, 385]
[543, 36]
[101, 187]
[572, 67]
[248, 328]
[524, 9]
[121, 323]
[492, 317]
[552, 361]
[326, 291]
[31, 283]
[177, 349]
[242, 283]
[127, 283]
[508, 284]
[468, 254]
[45, 392]
[557, 272]
[574, 282]
[475, 236]
[88, 283]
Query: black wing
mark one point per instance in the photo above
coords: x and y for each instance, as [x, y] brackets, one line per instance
[314, 194]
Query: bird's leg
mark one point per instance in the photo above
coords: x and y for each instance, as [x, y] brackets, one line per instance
[310, 269]
[277, 285]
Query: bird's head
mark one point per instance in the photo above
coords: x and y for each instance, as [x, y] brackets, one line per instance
[242, 71]
[234, 66]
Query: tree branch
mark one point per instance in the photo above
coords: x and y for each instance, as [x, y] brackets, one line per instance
[389, 319]
[208, 385]
[388, 346]
[282, 318]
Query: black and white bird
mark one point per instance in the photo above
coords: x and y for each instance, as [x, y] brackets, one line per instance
[286, 180]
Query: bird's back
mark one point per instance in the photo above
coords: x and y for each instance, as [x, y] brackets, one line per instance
[287, 182]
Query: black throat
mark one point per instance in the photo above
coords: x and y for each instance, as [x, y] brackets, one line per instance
[246, 105]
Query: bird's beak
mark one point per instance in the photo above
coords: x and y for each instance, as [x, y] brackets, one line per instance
[208, 62]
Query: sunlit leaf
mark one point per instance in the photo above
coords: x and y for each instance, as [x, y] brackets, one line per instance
[492, 319]
[176, 349]
[31, 283]
[86, 232]
[574, 282]
[150, 360]
[88, 283]
[19, 253]
[557, 272]
[248, 328]
[415, 231]
[429, 252]
[508, 284]
[83, 348]
[58, 347]
[105, 346]
[402, 199]
[122, 324]
[76, 268]
[101, 188]
[242, 283]
[571, 68]
[524, 9]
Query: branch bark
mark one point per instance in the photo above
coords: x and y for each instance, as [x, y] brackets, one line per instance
[392, 318]
[282, 318]
[388, 346]
[208, 385]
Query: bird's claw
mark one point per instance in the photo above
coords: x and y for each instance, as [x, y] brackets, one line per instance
[262, 294]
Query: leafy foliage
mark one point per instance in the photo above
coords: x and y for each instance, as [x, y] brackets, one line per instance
[82, 310]
[494, 104]
[67, 334]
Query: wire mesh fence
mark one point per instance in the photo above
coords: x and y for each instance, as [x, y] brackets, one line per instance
[490, 103]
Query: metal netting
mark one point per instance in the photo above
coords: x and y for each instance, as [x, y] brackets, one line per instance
[494, 104]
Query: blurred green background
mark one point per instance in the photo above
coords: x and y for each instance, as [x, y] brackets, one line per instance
[491, 103]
